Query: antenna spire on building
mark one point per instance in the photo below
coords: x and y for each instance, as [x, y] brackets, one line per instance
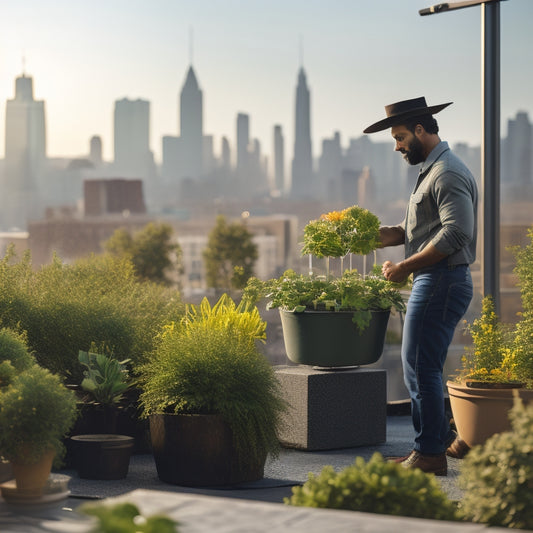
[191, 44]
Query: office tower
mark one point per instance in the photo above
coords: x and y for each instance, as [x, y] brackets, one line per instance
[25, 153]
[330, 167]
[302, 165]
[95, 151]
[191, 127]
[516, 168]
[133, 158]
[279, 161]
[243, 140]
[225, 157]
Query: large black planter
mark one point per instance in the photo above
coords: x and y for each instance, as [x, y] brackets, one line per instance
[102, 456]
[331, 339]
[198, 451]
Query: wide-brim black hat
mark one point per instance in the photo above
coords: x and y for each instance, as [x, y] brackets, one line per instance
[398, 112]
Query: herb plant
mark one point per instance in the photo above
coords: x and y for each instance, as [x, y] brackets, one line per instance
[351, 292]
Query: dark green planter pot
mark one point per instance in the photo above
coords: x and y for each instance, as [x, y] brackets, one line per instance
[331, 339]
[197, 450]
[102, 456]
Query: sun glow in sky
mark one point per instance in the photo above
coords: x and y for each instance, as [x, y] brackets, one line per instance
[359, 55]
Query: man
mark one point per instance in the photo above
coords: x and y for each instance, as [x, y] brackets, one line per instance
[439, 235]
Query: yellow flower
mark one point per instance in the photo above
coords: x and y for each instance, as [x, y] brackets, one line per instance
[333, 216]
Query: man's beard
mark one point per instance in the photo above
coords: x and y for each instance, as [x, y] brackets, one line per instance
[414, 153]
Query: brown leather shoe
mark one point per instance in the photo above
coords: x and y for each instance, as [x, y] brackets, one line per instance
[399, 459]
[458, 448]
[432, 464]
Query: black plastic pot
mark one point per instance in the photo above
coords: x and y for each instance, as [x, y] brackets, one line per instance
[331, 339]
[102, 456]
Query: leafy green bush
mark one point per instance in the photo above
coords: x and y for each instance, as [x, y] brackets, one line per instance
[126, 518]
[14, 355]
[210, 364]
[64, 308]
[497, 476]
[36, 411]
[377, 486]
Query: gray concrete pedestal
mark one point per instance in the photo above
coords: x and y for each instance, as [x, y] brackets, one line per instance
[331, 409]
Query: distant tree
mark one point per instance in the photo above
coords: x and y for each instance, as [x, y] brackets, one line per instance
[230, 255]
[151, 250]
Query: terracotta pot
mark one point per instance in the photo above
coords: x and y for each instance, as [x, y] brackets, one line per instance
[32, 478]
[197, 450]
[479, 413]
[331, 339]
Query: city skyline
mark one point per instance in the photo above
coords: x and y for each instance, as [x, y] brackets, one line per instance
[246, 57]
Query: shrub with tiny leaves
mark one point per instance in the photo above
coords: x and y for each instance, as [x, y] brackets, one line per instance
[497, 476]
[378, 486]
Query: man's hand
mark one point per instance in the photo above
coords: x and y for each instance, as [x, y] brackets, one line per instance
[394, 272]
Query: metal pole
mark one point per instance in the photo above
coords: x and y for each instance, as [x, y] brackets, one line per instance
[490, 151]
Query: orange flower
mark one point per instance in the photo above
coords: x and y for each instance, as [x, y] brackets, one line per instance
[333, 216]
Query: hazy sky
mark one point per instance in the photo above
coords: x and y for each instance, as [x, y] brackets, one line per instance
[358, 56]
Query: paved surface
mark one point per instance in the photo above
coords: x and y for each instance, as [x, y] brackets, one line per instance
[248, 508]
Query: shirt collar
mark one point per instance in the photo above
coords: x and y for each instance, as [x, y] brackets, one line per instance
[433, 156]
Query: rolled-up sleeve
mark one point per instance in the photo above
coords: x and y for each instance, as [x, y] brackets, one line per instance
[454, 199]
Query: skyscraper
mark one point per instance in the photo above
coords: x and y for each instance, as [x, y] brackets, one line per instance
[133, 158]
[191, 127]
[279, 160]
[25, 153]
[517, 151]
[302, 164]
[243, 141]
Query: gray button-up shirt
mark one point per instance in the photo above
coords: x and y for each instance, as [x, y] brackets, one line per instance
[442, 208]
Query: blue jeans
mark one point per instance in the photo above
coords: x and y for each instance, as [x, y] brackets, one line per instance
[440, 297]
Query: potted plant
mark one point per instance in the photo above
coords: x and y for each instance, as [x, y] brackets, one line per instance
[496, 476]
[14, 358]
[377, 486]
[36, 411]
[102, 454]
[211, 397]
[481, 395]
[333, 321]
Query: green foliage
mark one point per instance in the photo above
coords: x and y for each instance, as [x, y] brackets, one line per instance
[230, 255]
[490, 358]
[36, 411]
[14, 355]
[378, 486]
[64, 308]
[210, 364]
[14, 348]
[126, 518]
[523, 334]
[497, 476]
[354, 230]
[105, 378]
[351, 292]
[152, 252]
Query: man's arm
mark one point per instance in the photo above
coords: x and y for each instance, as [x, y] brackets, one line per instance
[391, 236]
[399, 272]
